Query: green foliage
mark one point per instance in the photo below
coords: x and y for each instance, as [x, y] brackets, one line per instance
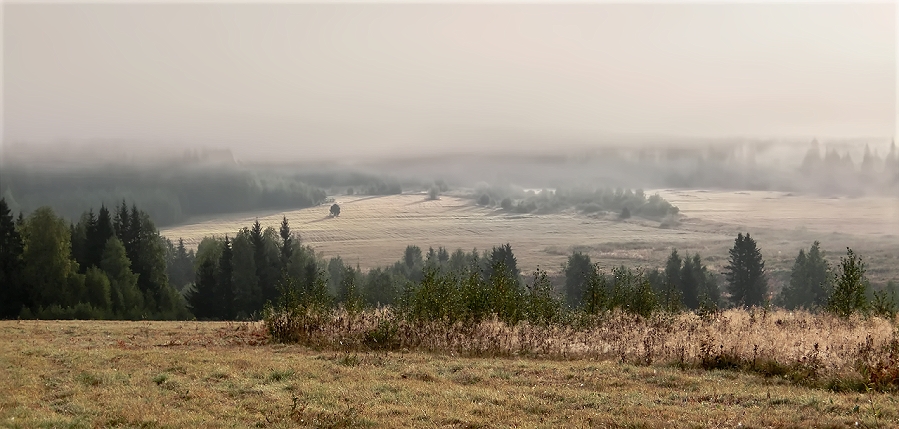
[810, 281]
[13, 294]
[850, 284]
[335, 210]
[179, 264]
[97, 286]
[540, 306]
[125, 298]
[884, 302]
[48, 259]
[585, 200]
[745, 273]
[169, 195]
[577, 270]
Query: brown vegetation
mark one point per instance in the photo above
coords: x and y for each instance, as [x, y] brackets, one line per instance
[191, 374]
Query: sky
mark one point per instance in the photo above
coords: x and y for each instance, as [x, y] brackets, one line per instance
[342, 80]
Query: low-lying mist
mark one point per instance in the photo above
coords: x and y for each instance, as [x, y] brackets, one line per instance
[176, 184]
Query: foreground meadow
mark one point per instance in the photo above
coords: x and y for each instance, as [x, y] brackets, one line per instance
[203, 374]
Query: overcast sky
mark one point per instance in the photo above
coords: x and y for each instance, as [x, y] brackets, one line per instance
[340, 79]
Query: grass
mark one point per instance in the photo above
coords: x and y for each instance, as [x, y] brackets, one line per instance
[374, 231]
[192, 374]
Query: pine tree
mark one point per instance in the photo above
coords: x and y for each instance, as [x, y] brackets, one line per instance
[809, 280]
[13, 295]
[247, 293]
[202, 298]
[286, 242]
[502, 256]
[850, 285]
[745, 273]
[672, 292]
[709, 293]
[97, 236]
[689, 284]
[577, 274]
[225, 292]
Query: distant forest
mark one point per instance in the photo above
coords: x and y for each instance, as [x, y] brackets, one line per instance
[169, 196]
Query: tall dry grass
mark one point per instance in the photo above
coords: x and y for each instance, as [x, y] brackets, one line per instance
[810, 349]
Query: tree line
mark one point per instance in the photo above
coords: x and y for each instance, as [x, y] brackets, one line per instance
[168, 195]
[109, 266]
[114, 264]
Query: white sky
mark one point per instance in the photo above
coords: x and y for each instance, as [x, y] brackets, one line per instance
[327, 80]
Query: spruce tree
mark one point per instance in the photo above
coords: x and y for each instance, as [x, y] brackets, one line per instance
[671, 294]
[225, 292]
[286, 242]
[689, 284]
[13, 295]
[745, 273]
[577, 273]
[202, 298]
[810, 281]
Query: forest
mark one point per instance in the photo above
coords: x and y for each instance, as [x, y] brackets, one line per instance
[115, 265]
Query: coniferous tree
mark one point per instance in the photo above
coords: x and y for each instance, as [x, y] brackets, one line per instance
[577, 274]
[509, 263]
[745, 273]
[13, 295]
[180, 264]
[202, 298]
[247, 294]
[810, 280]
[671, 294]
[690, 283]
[286, 242]
[225, 292]
[97, 235]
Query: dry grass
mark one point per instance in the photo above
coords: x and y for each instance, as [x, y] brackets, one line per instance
[193, 374]
[814, 350]
[373, 231]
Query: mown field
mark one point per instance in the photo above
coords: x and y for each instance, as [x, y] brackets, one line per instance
[205, 374]
[373, 231]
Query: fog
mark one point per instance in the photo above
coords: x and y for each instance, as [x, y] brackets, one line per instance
[356, 83]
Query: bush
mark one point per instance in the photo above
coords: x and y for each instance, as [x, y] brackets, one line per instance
[484, 200]
[506, 204]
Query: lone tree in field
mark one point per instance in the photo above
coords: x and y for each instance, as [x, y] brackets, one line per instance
[335, 210]
[745, 273]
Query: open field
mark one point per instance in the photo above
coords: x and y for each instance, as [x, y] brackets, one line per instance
[191, 374]
[373, 231]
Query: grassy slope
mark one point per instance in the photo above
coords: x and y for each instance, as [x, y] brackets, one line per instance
[189, 374]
